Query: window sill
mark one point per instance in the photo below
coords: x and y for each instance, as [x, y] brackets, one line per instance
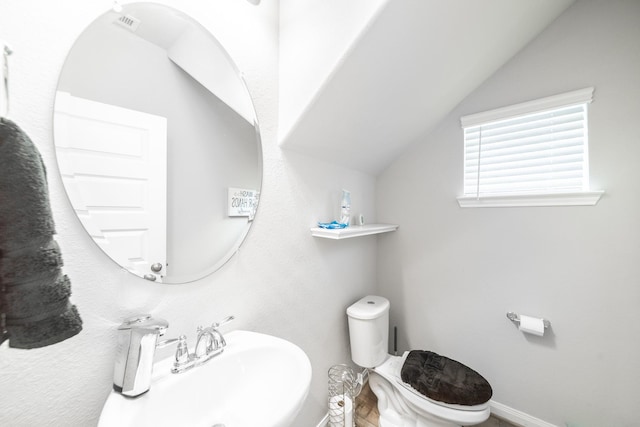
[584, 198]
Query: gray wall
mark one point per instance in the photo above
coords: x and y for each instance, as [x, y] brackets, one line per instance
[451, 274]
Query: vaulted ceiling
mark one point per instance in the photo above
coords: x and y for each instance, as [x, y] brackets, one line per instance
[358, 90]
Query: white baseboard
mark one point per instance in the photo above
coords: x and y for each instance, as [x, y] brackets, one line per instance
[498, 410]
[516, 417]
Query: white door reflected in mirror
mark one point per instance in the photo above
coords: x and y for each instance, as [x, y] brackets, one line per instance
[113, 163]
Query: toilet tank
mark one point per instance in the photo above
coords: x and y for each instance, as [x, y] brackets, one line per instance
[369, 330]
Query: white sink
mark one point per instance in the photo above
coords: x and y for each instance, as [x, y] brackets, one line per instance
[258, 381]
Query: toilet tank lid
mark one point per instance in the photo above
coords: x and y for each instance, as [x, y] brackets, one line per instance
[369, 307]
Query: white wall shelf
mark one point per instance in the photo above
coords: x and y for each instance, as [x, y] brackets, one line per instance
[352, 231]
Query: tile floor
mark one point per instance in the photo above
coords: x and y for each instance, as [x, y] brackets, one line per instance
[367, 412]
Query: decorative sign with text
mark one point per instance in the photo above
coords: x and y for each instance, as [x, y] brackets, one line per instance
[243, 202]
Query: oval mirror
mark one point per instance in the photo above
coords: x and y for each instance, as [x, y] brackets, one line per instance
[157, 143]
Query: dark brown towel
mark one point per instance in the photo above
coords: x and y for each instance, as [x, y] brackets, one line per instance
[34, 294]
[445, 380]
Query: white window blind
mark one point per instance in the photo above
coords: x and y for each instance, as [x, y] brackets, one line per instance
[539, 147]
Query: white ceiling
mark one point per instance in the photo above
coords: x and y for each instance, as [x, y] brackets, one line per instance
[411, 66]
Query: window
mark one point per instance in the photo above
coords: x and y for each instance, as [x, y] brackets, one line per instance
[530, 154]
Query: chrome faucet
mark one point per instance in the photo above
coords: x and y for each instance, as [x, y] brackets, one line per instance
[206, 342]
[209, 344]
[137, 342]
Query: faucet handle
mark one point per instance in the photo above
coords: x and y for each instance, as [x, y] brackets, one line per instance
[216, 325]
[219, 341]
[182, 352]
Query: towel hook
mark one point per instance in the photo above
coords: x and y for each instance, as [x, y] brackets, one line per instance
[6, 52]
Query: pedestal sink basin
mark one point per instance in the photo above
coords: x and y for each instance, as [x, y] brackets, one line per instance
[258, 381]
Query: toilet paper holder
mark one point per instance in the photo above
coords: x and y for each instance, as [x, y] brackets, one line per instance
[515, 318]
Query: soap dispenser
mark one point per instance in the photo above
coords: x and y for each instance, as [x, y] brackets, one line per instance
[137, 341]
[345, 208]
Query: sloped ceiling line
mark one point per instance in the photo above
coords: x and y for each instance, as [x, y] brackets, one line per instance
[402, 72]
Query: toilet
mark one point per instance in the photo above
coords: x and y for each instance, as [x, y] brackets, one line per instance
[399, 404]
